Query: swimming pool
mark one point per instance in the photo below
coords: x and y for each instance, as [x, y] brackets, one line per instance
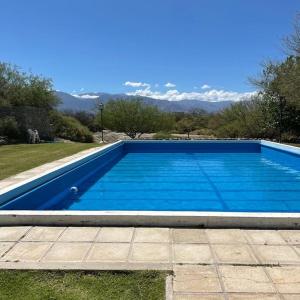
[172, 176]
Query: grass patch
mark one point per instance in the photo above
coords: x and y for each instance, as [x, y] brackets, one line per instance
[73, 285]
[18, 158]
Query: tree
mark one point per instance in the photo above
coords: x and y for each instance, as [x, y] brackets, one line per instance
[279, 87]
[292, 42]
[186, 125]
[134, 117]
[25, 102]
[21, 89]
[245, 119]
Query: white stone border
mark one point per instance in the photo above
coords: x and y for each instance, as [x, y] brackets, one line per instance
[283, 147]
[143, 218]
[151, 218]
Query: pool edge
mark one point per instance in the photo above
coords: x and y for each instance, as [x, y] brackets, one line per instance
[151, 218]
[148, 218]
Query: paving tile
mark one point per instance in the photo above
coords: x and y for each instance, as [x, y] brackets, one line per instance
[150, 252]
[286, 279]
[189, 236]
[115, 234]
[192, 253]
[246, 279]
[291, 236]
[291, 296]
[234, 253]
[27, 251]
[25, 175]
[67, 252]
[265, 237]
[297, 248]
[252, 297]
[151, 235]
[11, 234]
[276, 254]
[197, 279]
[5, 246]
[198, 297]
[109, 252]
[43, 234]
[79, 234]
[7, 183]
[224, 236]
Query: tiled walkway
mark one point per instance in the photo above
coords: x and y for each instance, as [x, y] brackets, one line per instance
[207, 263]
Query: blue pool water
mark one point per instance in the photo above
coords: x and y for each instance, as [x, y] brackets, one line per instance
[168, 177]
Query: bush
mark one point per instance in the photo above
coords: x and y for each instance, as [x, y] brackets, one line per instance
[69, 128]
[161, 135]
[9, 128]
[205, 131]
[290, 137]
[85, 118]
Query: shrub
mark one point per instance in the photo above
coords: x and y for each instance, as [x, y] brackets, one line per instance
[9, 128]
[205, 131]
[290, 137]
[69, 128]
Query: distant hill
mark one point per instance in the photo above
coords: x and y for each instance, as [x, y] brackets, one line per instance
[89, 102]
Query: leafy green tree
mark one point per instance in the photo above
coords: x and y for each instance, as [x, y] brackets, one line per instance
[292, 42]
[279, 87]
[186, 125]
[21, 89]
[134, 117]
[25, 102]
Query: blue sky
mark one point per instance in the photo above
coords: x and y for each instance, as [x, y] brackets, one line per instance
[100, 45]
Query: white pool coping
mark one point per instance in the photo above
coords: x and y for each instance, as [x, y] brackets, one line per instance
[201, 219]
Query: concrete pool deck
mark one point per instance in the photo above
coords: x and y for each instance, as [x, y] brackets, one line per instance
[206, 263]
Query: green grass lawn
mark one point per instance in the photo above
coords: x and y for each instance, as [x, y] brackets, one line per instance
[33, 285]
[18, 158]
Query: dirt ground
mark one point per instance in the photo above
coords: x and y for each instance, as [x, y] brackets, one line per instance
[111, 136]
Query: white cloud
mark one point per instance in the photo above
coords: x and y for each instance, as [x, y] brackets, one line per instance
[205, 87]
[136, 84]
[170, 85]
[81, 90]
[85, 96]
[211, 95]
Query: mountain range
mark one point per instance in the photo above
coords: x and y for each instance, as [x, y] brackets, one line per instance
[89, 101]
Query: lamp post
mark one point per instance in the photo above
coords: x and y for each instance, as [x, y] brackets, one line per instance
[281, 107]
[101, 106]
